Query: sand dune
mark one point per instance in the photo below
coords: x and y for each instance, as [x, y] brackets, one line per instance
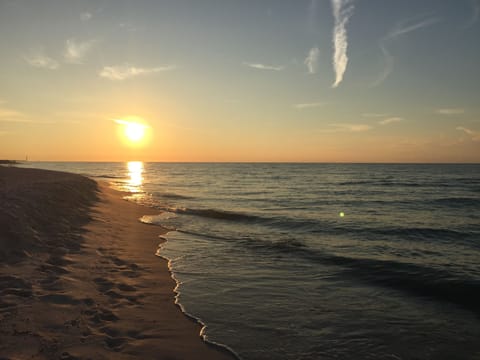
[79, 278]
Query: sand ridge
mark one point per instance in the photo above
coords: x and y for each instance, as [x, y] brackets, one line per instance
[105, 296]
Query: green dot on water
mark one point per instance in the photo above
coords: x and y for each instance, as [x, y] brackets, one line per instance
[342, 214]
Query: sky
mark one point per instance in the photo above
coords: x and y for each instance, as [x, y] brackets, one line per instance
[250, 80]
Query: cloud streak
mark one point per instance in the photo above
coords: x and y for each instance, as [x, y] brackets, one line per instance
[312, 60]
[123, 72]
[128, 27]
[263, 66]
[475, 135]
[400, 29]
[390, 120]
[8, 115]
[407, 26]
[475, 13]
[450, 111]
[342, 11]
[374, 115]
[126, 122]
[41, 61]
[334, 128]
[86, 16]
[76, 51]
[308, 105]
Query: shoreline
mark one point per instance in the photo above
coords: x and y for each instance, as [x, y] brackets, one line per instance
[85, 282]
[203, 326]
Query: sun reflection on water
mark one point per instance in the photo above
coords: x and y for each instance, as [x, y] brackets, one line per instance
[135, 173]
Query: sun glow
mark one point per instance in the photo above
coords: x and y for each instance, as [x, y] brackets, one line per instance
[133, 130]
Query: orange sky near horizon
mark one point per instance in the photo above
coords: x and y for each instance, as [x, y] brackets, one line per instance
[240, 82]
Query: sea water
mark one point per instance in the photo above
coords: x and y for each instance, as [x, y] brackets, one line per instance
[318, 261]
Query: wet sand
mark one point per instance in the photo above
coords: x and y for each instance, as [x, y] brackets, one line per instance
[79, 278]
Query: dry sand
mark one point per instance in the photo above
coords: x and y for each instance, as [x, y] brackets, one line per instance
[79, 278]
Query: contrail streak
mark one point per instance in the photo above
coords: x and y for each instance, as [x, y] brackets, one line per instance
[399, 30]
[475, 4]
[342, 11]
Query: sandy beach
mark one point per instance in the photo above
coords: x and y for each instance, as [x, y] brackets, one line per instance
[79, 278]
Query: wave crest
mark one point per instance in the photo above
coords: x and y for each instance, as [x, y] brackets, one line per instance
[214, 214]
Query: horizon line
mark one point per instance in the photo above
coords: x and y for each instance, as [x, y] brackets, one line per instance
[19, 162]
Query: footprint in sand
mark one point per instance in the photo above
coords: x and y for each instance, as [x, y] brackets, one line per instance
[13, 285]
[125, 291]
[100, 315]
[115, 343]
[60, 299]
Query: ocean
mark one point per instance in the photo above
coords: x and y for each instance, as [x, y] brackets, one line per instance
[318, 261]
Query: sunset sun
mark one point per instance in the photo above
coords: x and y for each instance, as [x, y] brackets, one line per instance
[132, 130]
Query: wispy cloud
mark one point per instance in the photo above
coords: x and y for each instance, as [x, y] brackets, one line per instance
[126, 71]
[353, 127]
[121, 121]
[386, 118]
[409, 26]
[312, 60]
[86, 16]
[308, 105]
[78, 115]
[135, 122]
[76, 51]
[334, 128]
[8, 115]
[374, 115]
[389, 61]
[128, 27]
[390, 120]
[400, 29]
[475, 135]
[475, 6]
[264, 67]
[42, 61]
[450, 111]
[342, 11]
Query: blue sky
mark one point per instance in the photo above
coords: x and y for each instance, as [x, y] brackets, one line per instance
[325, 80]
